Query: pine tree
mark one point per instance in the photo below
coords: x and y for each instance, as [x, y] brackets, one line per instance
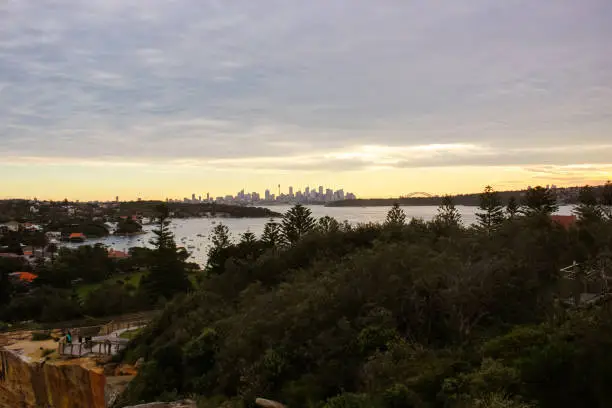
[328, 224]
[396, 216]
[296, 223]
[512, 208]
[272, 235]
[492, 211]
[218, 250]
[539, 200]
[168, 274]
[588, 209]
[248, 238]
[448, 215]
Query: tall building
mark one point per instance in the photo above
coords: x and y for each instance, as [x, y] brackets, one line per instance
[193, 197]
[291, 191]
[320, 190]
[267, 195]
[307, 191]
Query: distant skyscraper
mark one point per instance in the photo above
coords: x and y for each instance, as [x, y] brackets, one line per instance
[290, 191]
[193, 197]
[307, 191]
[320, 190]
[267, 195]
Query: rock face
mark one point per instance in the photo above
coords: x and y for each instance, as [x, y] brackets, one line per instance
[177, 404]
[265, 403]
[55, 385]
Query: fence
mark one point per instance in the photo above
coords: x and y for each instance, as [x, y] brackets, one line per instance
[94, 347]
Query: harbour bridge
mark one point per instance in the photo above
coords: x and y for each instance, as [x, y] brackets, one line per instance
[417, 194]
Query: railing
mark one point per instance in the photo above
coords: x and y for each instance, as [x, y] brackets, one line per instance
[93, 347]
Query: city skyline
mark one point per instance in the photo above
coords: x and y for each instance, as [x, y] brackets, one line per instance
[105, 98]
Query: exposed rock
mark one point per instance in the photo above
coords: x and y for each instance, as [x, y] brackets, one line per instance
[268, 403]
[176, 404]
[58, 384]
[139, 362]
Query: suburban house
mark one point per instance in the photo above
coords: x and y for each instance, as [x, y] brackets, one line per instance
[77, 237]
[114, 254]
[566, 221]
[22, 277]
[11, 226]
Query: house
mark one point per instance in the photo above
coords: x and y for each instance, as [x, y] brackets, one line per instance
[23, 277]
[53, 235]
[28, 226]
[114, 254]
[566, 221]
[11, 226]
[10, 255]
[77, 237]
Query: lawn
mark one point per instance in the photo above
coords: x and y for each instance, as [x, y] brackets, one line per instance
[130, 334]
[131, 278]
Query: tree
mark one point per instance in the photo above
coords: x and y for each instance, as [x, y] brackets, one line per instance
[448, 215]
[395, 216]
[6, 289]
[248, 238]
[539, 200]
[296, 223]
[272, 234]
[168, 274]
[588, 209]
[52, 249]
[512, 208]
[491, 213]
[328, 224]
[606, 199]
[218, 250]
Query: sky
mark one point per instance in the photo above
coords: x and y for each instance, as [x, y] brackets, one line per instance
[162, 98]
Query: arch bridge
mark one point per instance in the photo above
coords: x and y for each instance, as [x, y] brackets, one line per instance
[417, 194]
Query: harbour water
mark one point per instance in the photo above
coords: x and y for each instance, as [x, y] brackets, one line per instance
[193, 233]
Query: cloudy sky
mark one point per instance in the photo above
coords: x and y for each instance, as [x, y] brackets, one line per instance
[162, 98]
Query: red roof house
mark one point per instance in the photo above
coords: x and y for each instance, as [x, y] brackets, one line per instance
[26, 277]
[113, 254]
[565, 221]
[77, 236]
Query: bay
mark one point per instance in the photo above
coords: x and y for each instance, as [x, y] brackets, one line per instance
[193, 233]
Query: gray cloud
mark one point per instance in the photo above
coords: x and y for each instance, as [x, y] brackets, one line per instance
[212, 80]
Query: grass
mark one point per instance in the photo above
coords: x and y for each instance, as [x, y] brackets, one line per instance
[130, 334]
[132, 279]
[41, 336]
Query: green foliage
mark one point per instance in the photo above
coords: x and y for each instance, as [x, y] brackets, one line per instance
[491, 213]
[349, 400]
[588, 210]
[296, 223]
[41, 336]
[272, 234]
[430, 315]
[128, 226]
[606, 199]
[88, 263]
[448, 216]
[168, 271]
[327, 225]
[396, 216]
[512, 208]
[539, 201]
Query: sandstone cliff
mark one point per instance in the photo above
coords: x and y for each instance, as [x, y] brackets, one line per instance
[25, 384]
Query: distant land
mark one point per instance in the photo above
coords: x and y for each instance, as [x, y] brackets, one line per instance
[565, 195]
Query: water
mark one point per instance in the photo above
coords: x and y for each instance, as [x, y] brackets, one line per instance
[193, 233]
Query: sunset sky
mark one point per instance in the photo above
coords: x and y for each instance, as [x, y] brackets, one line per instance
[158, 99]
